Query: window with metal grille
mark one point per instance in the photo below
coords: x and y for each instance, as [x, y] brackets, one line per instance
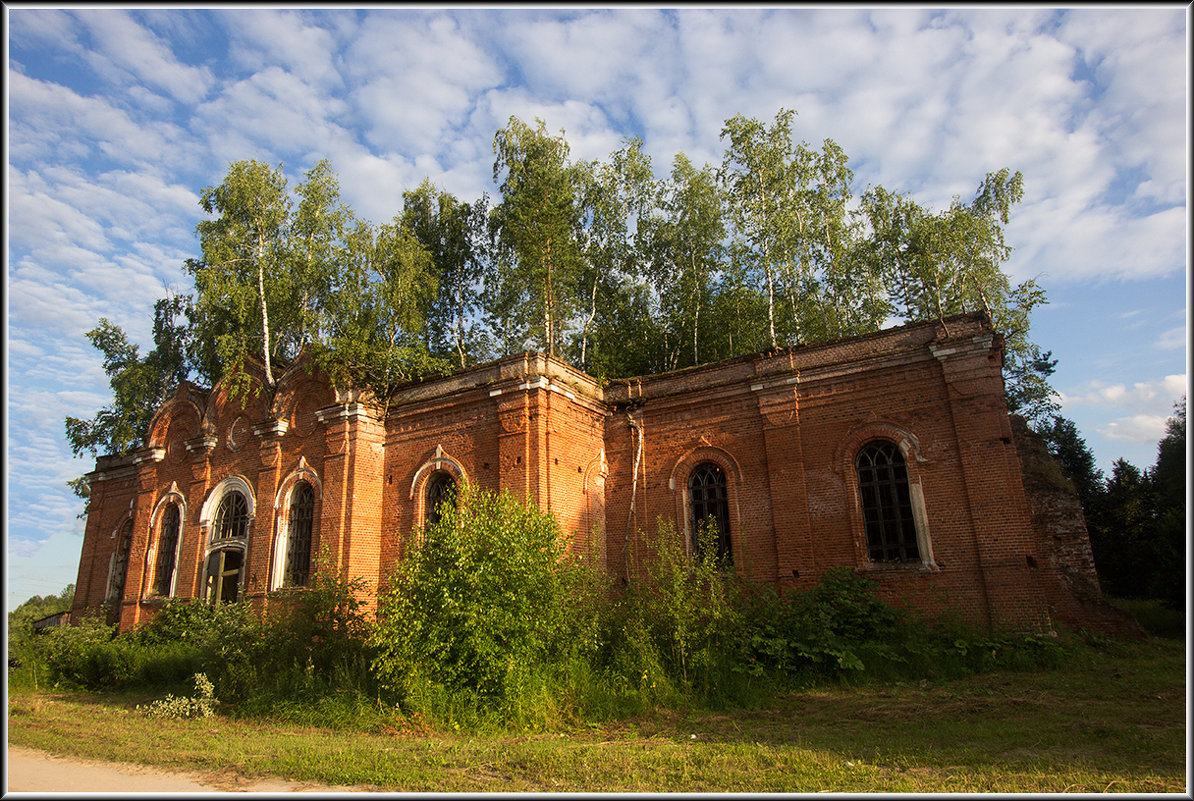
[441, 488]
[708, 507]
[886, 504]
[163, 573]
[298, 549]
[232, 518]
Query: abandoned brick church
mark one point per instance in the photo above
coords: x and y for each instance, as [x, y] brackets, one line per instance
[891, 453]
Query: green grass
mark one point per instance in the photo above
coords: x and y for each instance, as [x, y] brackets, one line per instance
[1154, 617]
[1111, 720]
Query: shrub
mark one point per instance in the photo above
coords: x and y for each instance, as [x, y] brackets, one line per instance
[681, 628]
[87, 656]
[479, 604]
[201, 705]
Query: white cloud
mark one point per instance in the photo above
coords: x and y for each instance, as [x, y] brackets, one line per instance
[1139, 58]
[52, 122]
[290, 40]
[1140, 428]
[1174, 339]
[415, 78]
[270, 112]
[1154, 397]
[128, 53]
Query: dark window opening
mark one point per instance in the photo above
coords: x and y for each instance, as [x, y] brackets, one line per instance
[120, 569]
[223, 577]
[441, 489]
[709, 508]
[886, 504]
[163, 574]
[298, 548]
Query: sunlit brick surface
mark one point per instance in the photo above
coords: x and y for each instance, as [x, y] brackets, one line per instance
[784, 427]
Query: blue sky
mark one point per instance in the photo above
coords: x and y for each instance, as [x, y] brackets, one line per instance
[117, 119]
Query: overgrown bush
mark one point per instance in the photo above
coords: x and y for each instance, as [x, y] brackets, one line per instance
[310, 645]
[841, 630]
[677, 633]
[483, 612]
[489, 621]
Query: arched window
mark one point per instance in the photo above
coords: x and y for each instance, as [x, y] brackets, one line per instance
[232, 518]
[298, 535]
[119, 566]
[886, 504]
[228, 538]
[708, 507]
[168, 529]
[441, 488]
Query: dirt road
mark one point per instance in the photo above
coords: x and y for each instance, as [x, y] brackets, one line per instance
[32, 771]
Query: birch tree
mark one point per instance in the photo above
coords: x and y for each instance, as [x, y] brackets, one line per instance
[454, 235]
[757, 172]
[538, 220]
[242, 278]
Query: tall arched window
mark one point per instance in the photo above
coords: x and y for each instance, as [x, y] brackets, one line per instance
[298, 535]
[229, 537]
[441, 488]
[886, 504]
[708, 507]
[163, 572]
[118, 568]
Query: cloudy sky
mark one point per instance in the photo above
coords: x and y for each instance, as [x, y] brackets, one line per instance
[117, 119]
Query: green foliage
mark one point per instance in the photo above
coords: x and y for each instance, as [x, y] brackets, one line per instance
[478, 602]
[840, 630]
[22, 639]
[200, 705]
[1137, 523]
[88, 656]
[537, 219]
[1077, 462]
[139, 383]
[597, 262]
[691, 602]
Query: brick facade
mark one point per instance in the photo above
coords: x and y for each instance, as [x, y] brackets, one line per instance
[612, 461]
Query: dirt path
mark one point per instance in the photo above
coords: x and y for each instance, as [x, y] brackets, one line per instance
[32, 771]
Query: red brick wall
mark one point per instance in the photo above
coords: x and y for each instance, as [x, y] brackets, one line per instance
[784, 427]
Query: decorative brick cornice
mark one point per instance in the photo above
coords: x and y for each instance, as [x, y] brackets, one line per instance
[271, 428]
[148, 455]
[202, 445]
[343, 411]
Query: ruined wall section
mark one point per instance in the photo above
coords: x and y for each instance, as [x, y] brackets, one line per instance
[1071, 583]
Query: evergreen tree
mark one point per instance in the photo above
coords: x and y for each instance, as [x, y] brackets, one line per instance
[1168, 480]
[1077, 461]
